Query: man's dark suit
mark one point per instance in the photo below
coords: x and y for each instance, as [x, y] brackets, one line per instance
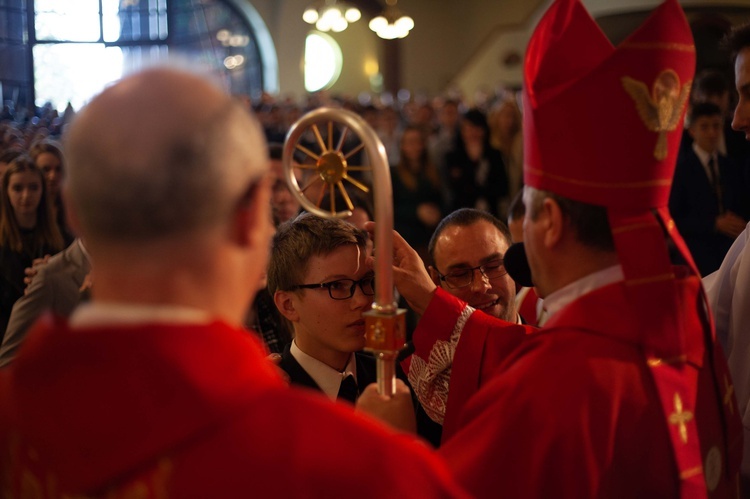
[366, 374]
[366, 371]
[56, 288]
[694, 206]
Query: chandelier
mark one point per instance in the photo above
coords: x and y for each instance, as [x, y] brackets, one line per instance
[392, 23]
[330, 15]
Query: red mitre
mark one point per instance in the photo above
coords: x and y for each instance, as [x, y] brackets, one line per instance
[602, 125]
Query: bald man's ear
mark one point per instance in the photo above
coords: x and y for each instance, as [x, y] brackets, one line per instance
[252, 216]
[555, 222]
[434, 275]
[284, 301]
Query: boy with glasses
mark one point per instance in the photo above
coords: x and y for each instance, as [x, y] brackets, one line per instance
[319, 281]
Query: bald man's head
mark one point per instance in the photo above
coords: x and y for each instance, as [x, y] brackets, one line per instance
[161, 152]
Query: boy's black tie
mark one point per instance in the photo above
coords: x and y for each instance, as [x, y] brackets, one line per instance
[348, 389]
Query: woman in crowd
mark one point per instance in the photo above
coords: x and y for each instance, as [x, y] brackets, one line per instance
[27, 229]
[475, 169]
[417, 196]
[48, 157]
[506, 137]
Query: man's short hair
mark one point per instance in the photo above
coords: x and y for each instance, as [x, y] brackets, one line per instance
[301, 238]
[590, 222]
[188, 176]
[464, 217]
[703, 109]
[738, 39]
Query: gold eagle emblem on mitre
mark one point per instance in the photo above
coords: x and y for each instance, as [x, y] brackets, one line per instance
[661, 109]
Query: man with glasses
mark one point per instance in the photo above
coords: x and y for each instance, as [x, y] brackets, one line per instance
[467, 248]
[320, 283]
[623, 392]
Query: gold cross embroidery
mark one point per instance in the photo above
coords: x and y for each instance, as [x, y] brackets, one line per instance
[729, 387]
[680, 417]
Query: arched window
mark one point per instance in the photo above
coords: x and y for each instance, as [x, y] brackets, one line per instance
[61, 51]
[323, 61]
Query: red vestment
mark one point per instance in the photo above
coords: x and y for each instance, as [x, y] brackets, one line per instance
[445, 360]
[574, 410]
[187, 411]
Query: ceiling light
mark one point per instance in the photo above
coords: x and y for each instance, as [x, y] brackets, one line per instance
[330, 15]
[391, 23]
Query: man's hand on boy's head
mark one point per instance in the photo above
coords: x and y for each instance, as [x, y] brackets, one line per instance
[397, 411]
[409, 273]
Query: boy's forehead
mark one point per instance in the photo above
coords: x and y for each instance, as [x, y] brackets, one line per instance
[345, 260]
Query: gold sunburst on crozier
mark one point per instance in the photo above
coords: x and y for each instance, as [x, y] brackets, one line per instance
[331, 167]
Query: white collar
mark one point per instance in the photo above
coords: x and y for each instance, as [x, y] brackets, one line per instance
[107, 314]
[704, 156]
[327, 378]
[567, 294]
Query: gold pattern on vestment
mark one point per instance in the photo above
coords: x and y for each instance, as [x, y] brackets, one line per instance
[601, 185]
[654, 362]
[680, 417]
[661, 109]
[683, 47]
[691, 472]
[649, 280]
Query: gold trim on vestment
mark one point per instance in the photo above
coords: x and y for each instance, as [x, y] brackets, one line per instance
[605, 185]
[654, 362]
[683, 47]
[647, 280]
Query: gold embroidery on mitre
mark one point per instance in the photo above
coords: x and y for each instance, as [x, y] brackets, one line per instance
[682, 47]
[661, 109]
[680, 417]
[728, 399]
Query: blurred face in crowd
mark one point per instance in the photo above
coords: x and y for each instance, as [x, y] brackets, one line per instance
[449, 115]
[706, 132]
[51, 166]
[741, 119]
[457, 250]
[471, 133]
[412, 145]
[285, 205]
[24, 193]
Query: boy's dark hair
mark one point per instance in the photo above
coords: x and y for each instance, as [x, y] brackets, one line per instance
[301, 238]
[703, 109]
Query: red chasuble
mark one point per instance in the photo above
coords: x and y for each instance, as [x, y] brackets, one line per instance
[455, 350]
[187, 411]
[575, 411]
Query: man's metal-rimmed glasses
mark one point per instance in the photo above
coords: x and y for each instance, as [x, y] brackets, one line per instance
[343, 289]
[461, 278]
